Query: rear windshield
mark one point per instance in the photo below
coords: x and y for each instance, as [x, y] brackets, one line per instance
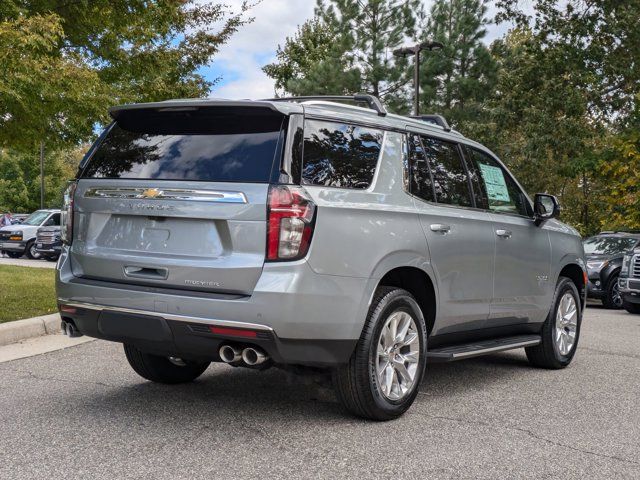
[199, 146]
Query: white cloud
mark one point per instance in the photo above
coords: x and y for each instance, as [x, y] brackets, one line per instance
[254, 45]
[240, 61]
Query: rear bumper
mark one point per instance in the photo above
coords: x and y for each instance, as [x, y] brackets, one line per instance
[300, 317]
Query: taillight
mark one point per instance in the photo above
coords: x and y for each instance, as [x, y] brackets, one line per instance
[290, 214]
[66, 216]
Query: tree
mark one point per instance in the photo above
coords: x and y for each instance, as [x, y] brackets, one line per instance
[351, 44]
[298, 69]
[457, 80]
[565, 100]
[20, 178]
[63, 63]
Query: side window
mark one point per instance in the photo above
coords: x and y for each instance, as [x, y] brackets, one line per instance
[340, 155]
[450, 179]
[53, 220]
[421, 184]
[501, 192]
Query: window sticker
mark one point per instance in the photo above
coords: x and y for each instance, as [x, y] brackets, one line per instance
[495, 182]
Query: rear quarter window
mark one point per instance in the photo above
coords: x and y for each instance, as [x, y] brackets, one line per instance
[340, 155]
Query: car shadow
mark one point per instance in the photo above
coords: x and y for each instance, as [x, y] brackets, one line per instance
[276, 395]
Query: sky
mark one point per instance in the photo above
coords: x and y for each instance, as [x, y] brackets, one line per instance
[239, 63]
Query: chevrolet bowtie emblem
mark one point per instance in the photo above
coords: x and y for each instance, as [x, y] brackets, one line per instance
[151, 193]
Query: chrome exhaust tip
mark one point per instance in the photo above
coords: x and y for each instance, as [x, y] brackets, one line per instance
[253, 357]
[230, 354]
[70, 330]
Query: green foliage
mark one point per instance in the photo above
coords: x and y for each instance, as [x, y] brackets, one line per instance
[20, 178]
[457, 80]
[62, 63]
[347, 48]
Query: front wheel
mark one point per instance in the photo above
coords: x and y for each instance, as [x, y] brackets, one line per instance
[612, 299]
[163, 369]
[561, 329]
[383, 376]
[31, 251]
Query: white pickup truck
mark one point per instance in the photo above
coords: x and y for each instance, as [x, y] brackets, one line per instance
[17, 240]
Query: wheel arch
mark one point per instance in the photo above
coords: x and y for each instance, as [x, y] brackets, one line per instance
[577, 275]
[417, 282]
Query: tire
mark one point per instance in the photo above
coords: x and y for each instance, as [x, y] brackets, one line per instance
[14, 254]
[548, 353]
[357, 383]
[31, 252]
[51, 258]
[612, 298]
[631, 307]
[160, 369]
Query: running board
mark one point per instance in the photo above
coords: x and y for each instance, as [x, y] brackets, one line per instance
[483, 347]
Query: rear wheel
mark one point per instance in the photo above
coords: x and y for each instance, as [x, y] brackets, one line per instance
[31, 250]
[612, 298]
[561, 330]
[383, 376]
[631, 307]
[163, 369]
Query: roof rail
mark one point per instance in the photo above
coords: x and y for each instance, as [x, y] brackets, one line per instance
[633, 232]
[372, 102]
[435, 119]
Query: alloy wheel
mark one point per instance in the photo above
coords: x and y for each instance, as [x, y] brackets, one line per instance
[616, 298]
[566, 324]
[398, 355]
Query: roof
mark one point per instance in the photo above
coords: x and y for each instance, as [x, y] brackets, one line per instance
[307, 105]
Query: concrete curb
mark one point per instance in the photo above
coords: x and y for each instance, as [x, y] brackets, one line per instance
[19, 330]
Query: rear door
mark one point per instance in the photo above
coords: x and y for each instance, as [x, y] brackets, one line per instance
[177, 198]
[459, 236]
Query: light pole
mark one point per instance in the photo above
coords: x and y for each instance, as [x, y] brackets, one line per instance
[415, 51]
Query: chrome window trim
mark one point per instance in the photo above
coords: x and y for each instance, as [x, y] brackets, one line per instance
[166, 316]
[217, 196]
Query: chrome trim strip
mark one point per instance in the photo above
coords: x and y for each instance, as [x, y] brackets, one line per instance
[218, 196]
[166, 316]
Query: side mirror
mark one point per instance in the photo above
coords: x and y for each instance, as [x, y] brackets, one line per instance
[545, 207]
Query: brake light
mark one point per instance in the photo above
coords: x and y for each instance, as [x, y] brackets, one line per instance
[290, 217]
[66, 216]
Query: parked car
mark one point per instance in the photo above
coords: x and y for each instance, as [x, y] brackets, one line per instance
[20, 239]
[305, 232]
[604, 253]
[18, 218]
[49, 242]
[629, 281]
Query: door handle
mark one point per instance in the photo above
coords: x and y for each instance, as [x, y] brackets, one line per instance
[440, 228]
[504, 233]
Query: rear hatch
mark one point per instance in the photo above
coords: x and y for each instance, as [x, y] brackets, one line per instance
[176, 197]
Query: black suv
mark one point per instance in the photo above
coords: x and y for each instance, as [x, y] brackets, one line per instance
[604, 253]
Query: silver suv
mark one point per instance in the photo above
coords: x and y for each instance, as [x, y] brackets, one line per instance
[310, 232]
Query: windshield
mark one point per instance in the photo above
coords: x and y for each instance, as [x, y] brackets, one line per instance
[608, 245]
[36, 218]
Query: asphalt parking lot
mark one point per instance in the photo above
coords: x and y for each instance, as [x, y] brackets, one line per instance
[83, 413]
